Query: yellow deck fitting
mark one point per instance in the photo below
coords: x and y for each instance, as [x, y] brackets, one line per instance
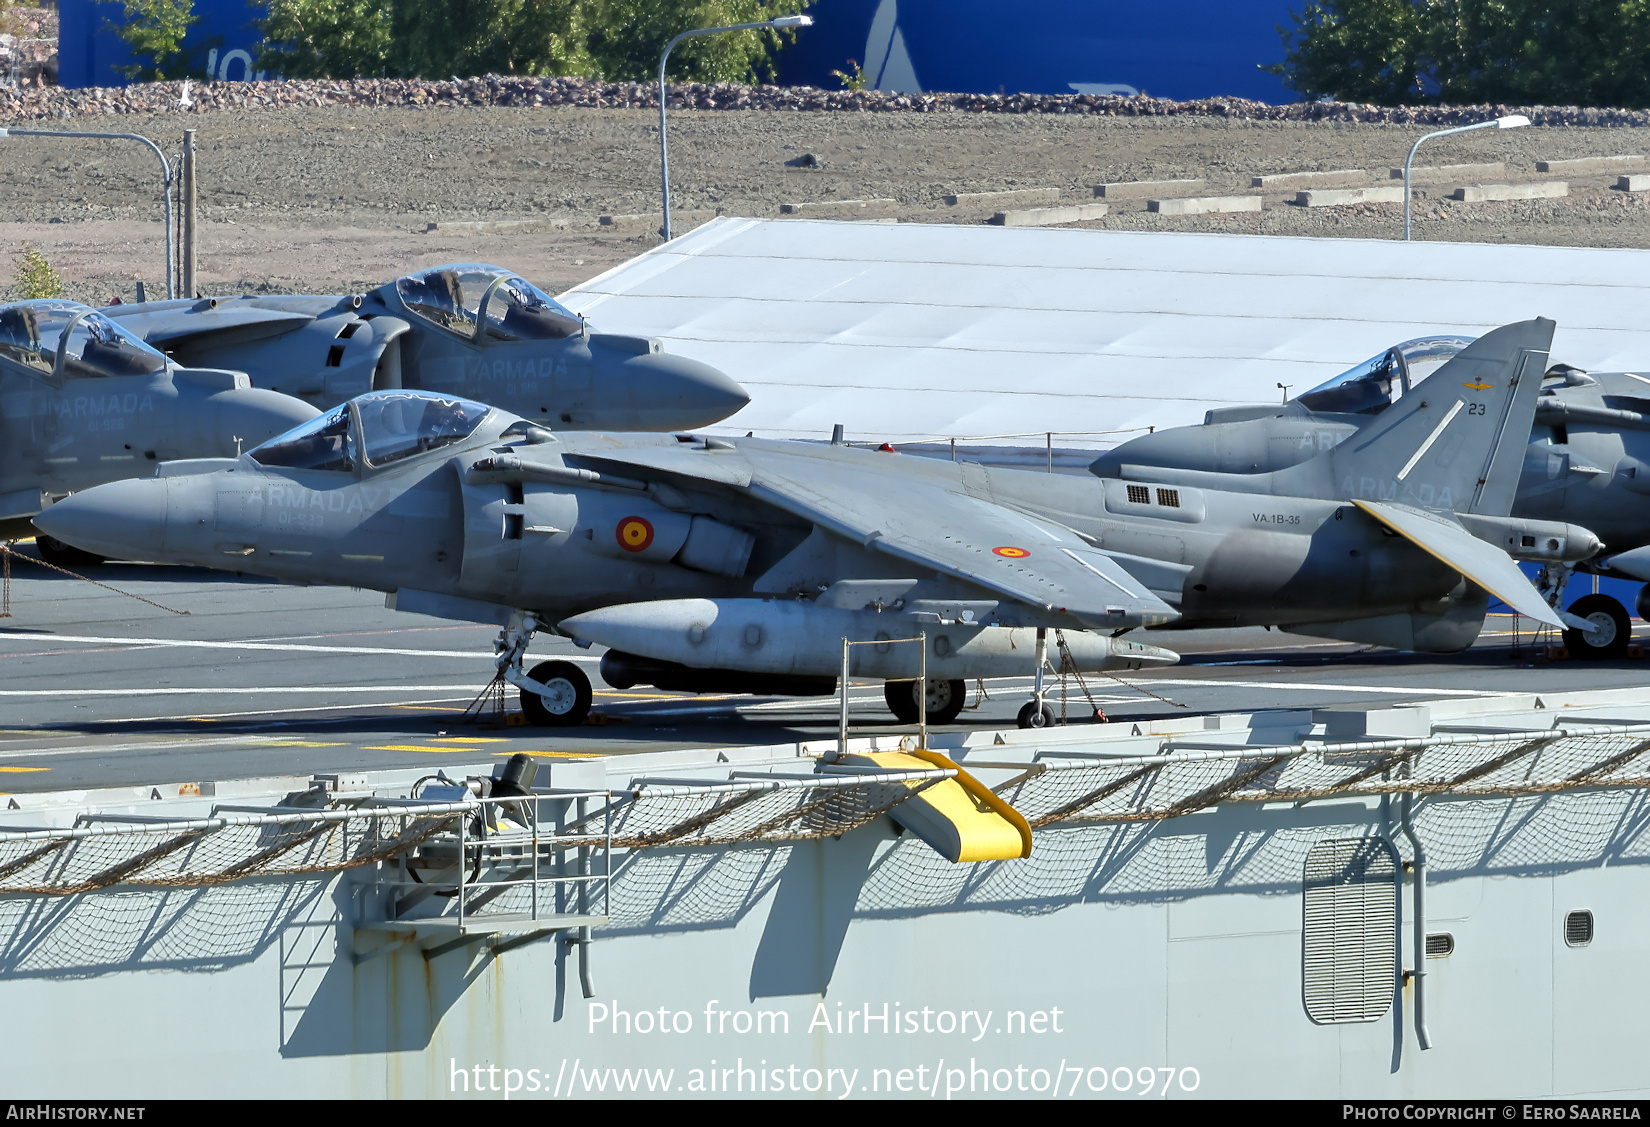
[962, 819]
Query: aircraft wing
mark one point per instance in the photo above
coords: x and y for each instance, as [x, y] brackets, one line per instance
[927, 519]
[165, 328]
[1482, 562]
[917, 511]
[716, 465]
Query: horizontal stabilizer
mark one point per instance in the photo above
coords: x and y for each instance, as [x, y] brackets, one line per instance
[1482, 563]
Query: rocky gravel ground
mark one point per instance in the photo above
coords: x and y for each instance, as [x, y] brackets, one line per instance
[296, 195]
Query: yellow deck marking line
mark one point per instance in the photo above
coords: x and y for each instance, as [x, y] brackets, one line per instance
[21, 770]
[211, 717]
[277, 647]
[159, 743]
[553, 754]
[413, 747]
[1329, 687]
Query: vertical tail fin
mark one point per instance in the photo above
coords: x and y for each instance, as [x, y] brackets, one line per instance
[1455, 442]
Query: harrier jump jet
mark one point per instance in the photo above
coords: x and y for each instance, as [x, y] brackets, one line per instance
[1587, 462]
[83, 402]
[474, 331]
[740, 565]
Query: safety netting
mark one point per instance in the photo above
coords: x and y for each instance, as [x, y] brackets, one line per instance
[1057, 787]
[1153, 787]
[765, 808]
[105, 850]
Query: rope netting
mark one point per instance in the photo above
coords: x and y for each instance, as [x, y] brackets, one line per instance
[1150, 788]
[1058, 791]
[761, 809]
[210, 850]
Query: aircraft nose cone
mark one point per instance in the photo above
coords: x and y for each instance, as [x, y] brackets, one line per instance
[255, 415]
[672, 392]
[123, 519]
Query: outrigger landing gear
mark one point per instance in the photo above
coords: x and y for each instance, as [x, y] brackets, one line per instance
[1036, 713]
[1599, 627]
[1611, 631]
[556, 693]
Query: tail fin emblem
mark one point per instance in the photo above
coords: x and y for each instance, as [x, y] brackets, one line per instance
[1479, 386]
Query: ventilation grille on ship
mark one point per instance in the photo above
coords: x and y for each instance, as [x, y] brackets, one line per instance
[1351, 928]
[1578, 928]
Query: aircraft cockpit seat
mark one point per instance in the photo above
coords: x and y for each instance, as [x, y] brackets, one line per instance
[538, 322]
[119, 357]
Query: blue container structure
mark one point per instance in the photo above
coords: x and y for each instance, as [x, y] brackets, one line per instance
[1178, 49]
[224, 41]
[1170, 48]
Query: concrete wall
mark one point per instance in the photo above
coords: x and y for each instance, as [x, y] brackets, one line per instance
[1161, 945]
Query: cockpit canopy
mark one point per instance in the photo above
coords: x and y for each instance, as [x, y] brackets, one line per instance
[463, 295]
[1380, 381]
[399, 424]
[56, 339]
[378, 428]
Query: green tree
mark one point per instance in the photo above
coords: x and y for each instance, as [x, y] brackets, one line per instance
[441, 38]
[327, 38]
[1393, 52]
[616, 39]
[33, 275]
[154, 30]
[1579, 52]
[1355, 50]
[628, 36]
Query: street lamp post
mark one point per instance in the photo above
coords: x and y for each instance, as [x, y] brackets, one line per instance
[1515, 121]
[165, 177]
[664, 151]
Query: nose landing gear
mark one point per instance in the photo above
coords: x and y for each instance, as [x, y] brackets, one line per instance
[1036, 713]
[556, 693]
[566, 699]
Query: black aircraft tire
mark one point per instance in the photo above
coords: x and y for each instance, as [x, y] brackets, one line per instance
[1030, 717]
[945, 700]
[570, 702]
[65, 555]
[1614, 635]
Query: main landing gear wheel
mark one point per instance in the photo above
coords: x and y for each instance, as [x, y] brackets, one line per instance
[944, 700]
[54, 551]
[1615, 629]
[1033, 717]
[568, 701]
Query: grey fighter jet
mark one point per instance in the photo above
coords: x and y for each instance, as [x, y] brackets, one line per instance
[741, 565]
[474, 331]
[83, 402]
[1588, 463]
